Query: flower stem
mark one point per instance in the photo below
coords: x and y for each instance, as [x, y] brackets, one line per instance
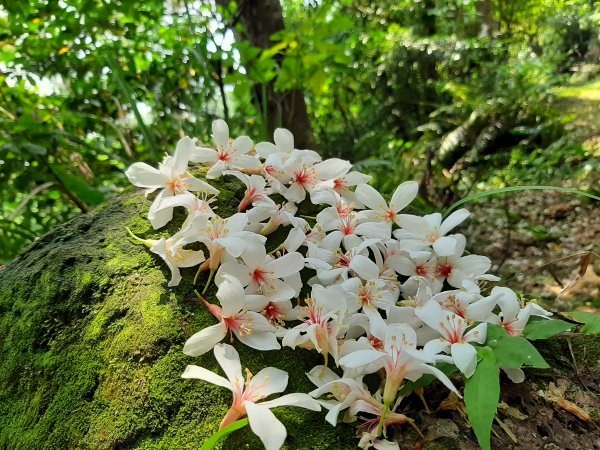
[146, 242]
[386, 408]
[416, 428]
[419, 392]
[210, 277]
[219, 435]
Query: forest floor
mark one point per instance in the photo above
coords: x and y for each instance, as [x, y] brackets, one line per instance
[538, 240]
[542, 242]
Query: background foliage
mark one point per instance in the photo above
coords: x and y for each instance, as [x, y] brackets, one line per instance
[456, 93]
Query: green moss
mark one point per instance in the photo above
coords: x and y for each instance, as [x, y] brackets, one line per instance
[91, 339]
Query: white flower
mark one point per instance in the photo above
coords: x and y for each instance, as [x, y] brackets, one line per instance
[172, 175]
[321, 324]
[373, 293]
[431, 230]
[195, 205]
[400, 359]
[284, 144]
[221, 235]
[455, 337]
[263, 274]
[379, 208]
[247, 395]
[345, 392]
[256, 189]
[172, 252]
[228, 155]
[456, 268]
[512, 317]
[250, 327]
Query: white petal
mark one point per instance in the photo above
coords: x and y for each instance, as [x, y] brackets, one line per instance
[205, 340]
[402, 265]
[201, 373]
[454, 220]
[237, 222]
[355, 178]
[445, 246]
[268, 381]
[370, 197]
[404, 195]
[321, 375]
[473, 265]
[231, 295]
[157, 215]
[204, 155]
[373, 230]
[259, 340]
[432, 314]
[234, 245]
[514, 374]
[189, 258]
[332, 168]
[440, 376]
[229, 360]
[194, 184]
[183, 152]
[414, 224]
[364, 267]
[143, 175]
[284, 139]
[465, 357]
[295, 193]
[287, 265]
[242, 145]
[361, 358]
[477, 334]
[220, 133]
[266, 426]
[297, 399]
[264, 149]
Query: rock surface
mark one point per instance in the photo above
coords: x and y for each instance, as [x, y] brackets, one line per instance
[91, 344]
[91, 357]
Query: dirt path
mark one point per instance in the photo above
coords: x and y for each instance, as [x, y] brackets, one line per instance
[583, 101]
[523, 231]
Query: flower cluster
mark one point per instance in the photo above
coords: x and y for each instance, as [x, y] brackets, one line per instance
[392, 294]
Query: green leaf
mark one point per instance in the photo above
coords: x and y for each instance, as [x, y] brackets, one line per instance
[591, 321]
[215, 438]
[482, 393]
[544, 329]
[482, 194]
[494, 333]
[516, 352]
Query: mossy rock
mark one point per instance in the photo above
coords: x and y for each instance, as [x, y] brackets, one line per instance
[91, 345]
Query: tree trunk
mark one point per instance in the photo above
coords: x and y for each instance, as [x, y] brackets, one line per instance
[261, 19]
[484, 11]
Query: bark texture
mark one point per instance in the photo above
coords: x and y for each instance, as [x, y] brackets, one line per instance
[261, 19]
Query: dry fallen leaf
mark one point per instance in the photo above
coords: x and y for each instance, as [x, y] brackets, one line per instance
[556, 395]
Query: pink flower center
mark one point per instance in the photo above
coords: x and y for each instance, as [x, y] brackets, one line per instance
[339, 184]
[225, 156]
[454, 329]
[445, 270]
[304, 177]
[422, 270]
[260, 276]
[236, 323]
[347, 226]
[273, 313]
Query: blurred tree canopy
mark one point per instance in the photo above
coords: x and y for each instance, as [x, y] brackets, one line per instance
[429, 89]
